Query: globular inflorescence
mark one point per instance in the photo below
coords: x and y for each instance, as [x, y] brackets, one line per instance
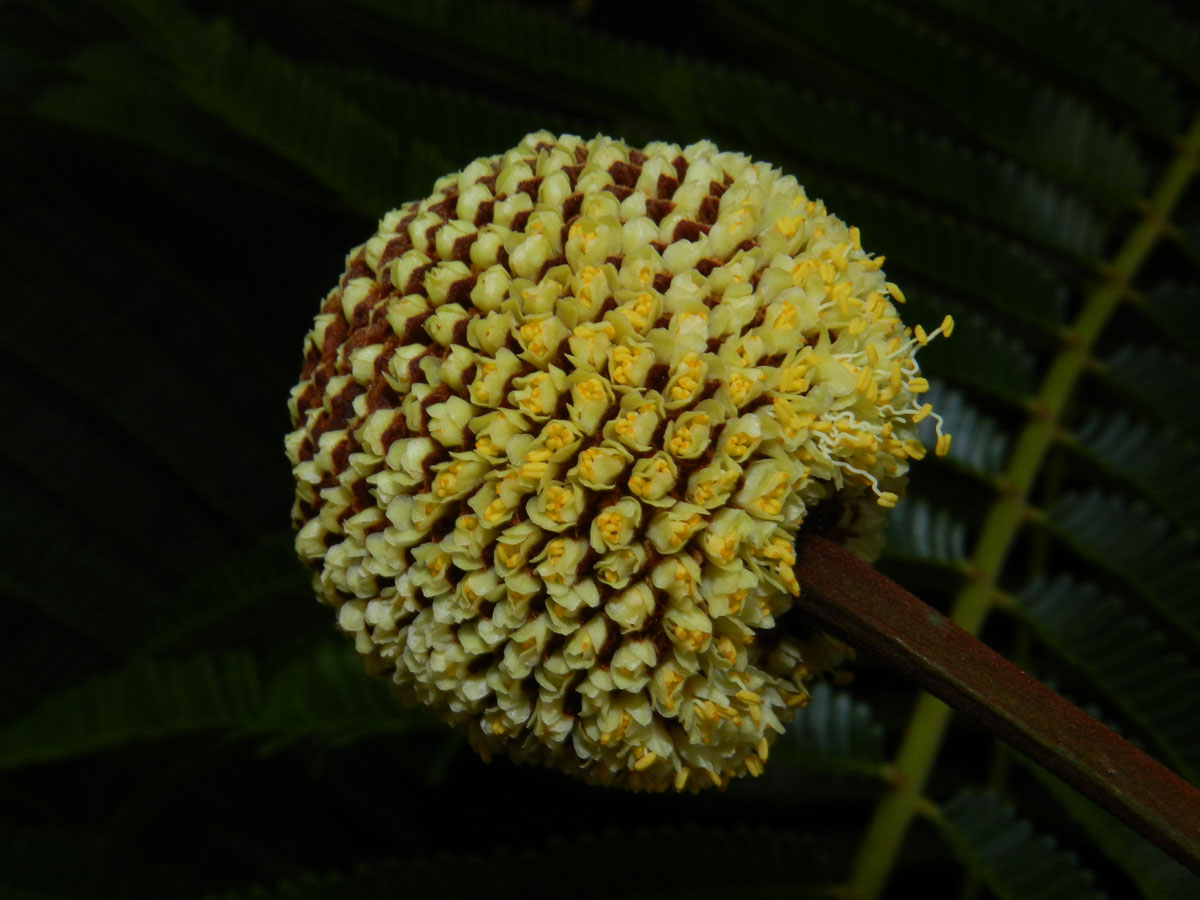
[557, 428]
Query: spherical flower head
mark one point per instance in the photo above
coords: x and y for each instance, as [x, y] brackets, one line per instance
[557, 428]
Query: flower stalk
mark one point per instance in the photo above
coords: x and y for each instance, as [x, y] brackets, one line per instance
[863, 607]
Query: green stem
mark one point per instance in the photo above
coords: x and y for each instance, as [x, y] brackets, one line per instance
[927, 726]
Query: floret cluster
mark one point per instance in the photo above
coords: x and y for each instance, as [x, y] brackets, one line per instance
[557, 428]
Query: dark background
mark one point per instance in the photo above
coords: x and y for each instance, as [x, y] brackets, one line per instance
[182, 183]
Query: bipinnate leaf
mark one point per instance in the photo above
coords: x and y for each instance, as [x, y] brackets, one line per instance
[1128, 660]
[320, 693]
[1004, 852]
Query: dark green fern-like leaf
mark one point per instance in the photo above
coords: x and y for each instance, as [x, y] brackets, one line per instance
[979, 357]
[1003, 851]
[584, 68]
[1076, 51]
[321, 693]
[832, 734]
[1128, 540]
[156, 120]
[1055, 133]
[143, 700]
[1157, 460]
[1122, 655]
[969, 262]
[1153, 27]
[1165, 384]
[467, 127]
[1156, 875]
[920, 533]
[936, 171]
[278, 104]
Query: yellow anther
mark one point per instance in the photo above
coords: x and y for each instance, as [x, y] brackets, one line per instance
[681, 778]
[496, 510]
[920, 335]
[645, 761]
[787, 225]
[587, 462]
[587, 275]
[801, 270]
[918, 386]
[865, 378]
[943, 445]
[921, 413]
[533, 470]
[556, 498]
[887, 499]
[623, 362]
[444, 485]
[738, 444]
[585, 238]
[684, 388]
[736, 599]
[792, 379]
[947, 326]
[895, 291]
[531, 333]
[592, 389]
[739, 389]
